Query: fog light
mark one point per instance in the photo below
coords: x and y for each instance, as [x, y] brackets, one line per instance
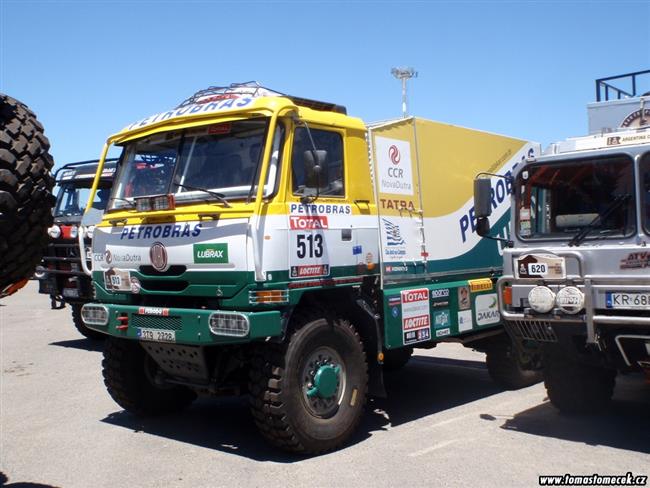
[229, 324]
[541, 299]
[54, 232]
[570, 299]
[94, 314]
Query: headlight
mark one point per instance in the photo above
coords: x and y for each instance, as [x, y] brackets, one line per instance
[54, 232]
[570, 299]
[90, 230]
[74, 232]
[541, 299]
[229, 324]
[94, 314]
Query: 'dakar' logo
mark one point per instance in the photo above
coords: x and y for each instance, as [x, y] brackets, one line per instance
[393, 154]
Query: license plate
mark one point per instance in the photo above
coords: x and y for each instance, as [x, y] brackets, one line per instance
[117, 279]
[156, 335]
[628, 300]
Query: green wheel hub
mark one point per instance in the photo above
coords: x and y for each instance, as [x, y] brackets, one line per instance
[326, 381]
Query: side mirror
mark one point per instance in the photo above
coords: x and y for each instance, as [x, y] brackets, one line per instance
[483, 226]
[315, 164]
[482, 197]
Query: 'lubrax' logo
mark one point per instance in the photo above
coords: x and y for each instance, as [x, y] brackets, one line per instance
[211, 253]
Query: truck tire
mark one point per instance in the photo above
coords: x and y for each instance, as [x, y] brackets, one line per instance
[308, 394]
[505, 369]
[575, 387]
[81, 327]
[25, 193]
[126, 368]
[396, 359]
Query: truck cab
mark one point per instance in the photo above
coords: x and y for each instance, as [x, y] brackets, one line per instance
[60, 273]
[576, 279]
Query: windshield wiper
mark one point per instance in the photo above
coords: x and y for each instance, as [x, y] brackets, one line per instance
[598, 220]
[218, 196]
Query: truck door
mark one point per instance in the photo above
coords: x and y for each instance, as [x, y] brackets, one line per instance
[394, 153]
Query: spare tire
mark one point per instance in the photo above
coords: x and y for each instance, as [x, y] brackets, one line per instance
[25, 193]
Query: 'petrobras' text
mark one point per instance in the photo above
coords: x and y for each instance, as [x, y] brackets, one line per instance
[203, 108]
[160, 231]
[319, 209]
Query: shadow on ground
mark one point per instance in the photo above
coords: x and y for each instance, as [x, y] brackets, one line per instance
[4, 481]
[83, 344]
[624, 425]
[425, 386]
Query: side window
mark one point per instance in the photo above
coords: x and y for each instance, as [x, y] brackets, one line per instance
[331, 178]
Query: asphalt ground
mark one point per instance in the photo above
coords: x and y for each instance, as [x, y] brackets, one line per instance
[444, 423]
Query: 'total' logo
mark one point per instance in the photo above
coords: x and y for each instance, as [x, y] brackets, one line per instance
[393, 154]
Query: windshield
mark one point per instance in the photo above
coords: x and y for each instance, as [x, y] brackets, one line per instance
[224, 159]
[560, 200]
[72, 198]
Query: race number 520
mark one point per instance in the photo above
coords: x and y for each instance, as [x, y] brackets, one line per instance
[309, 245]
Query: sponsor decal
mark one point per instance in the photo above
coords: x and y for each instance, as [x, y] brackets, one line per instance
[135, 285]
[394, 164]
[319, 209]
[440, 304]
[390, 268]
[220, 128]
[443, 332]
[465, 321]
[210, 253]
[540, 266]
[441, 318]
[416, 318]
[164, 231]
[113, 257]
[636, 260]
[395, 300]
[463, 298]
[441, 293]
[163, 312]
[486, 309]
[357, 250]
[393, 234]
[638, 118]
[482, 284]
[197, 108]
[68, 174]
[310, 270]
[308, 222]
[628, 140]
[394, 312]
[108, 171]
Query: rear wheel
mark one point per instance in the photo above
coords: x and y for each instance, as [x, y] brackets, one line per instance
[575, 387]
[308, 395]
[128, 375]
[81, 327]
[25, 193]
[506, 369]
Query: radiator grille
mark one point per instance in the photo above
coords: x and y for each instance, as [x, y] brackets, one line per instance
[536, 330]
[155, 322]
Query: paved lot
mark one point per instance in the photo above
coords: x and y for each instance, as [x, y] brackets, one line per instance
[444, 424]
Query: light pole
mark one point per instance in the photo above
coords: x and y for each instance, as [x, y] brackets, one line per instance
[404, 74]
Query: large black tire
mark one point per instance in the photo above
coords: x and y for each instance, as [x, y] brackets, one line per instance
[125, 367]
[575, 387]
[281, 375]
[504, 366]
[396, 359]
[81, 327]
[25, 192]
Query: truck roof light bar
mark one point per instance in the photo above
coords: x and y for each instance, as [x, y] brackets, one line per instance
[603, 87]
[254, 89]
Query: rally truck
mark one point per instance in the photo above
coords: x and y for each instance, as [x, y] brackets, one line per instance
[60, 273]
[261, 243]
[576, 278]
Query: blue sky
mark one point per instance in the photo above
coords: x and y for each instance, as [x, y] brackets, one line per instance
[524, 69]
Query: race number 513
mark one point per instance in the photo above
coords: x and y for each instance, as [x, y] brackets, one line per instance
[309, 245]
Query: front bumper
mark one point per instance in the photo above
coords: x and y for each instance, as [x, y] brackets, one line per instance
[189, 326]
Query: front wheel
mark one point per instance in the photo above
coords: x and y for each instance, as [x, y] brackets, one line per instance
[83, 328]
[575, 387]
[308, 395]
[505, 368]
[128, 375]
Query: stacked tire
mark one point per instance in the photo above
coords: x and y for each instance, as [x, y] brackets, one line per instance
[25, 193]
